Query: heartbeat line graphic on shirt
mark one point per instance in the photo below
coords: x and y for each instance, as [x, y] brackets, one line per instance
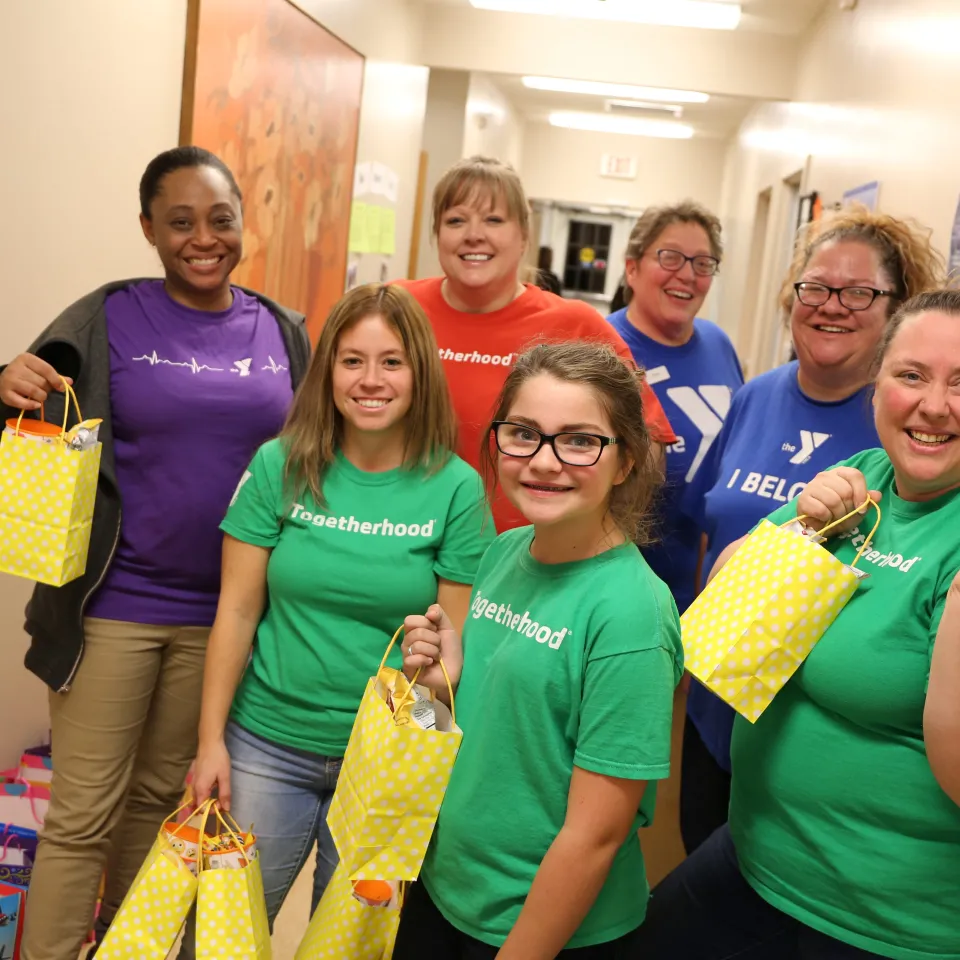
[193, 366]
[273, 365]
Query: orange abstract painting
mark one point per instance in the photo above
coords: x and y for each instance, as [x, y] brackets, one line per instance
[277, 97]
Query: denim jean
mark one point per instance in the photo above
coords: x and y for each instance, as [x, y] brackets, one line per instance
[706, 910]
[285, 793]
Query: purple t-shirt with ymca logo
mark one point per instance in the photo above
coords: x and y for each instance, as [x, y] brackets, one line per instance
[193, 395]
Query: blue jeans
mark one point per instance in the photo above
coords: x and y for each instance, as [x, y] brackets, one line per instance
[285, 793]
[705, 910]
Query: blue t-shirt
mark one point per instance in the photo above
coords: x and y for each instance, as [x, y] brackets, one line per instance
[775, 440]
[695, 383]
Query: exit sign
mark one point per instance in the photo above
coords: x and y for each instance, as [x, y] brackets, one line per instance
[623, 168]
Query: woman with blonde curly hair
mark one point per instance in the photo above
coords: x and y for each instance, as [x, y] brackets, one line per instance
[849, 274]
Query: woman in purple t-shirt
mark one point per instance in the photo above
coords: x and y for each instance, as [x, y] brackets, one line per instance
[190, 376]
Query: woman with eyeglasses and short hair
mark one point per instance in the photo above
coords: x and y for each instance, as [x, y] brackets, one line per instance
[849, 274]
[672, 257]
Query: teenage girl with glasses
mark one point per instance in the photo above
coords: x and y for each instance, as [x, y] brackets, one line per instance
[565, 697]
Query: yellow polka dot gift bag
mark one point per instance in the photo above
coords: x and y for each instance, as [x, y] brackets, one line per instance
[48, 484]
[149, 919]
[393, 778]
[231, 909]
[353, 921]
[758, 619]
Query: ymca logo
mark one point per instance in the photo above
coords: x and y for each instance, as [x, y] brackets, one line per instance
[809, 442]
[706, 408]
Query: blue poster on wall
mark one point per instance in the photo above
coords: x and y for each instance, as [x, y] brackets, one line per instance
[867, 193]
[954, 265]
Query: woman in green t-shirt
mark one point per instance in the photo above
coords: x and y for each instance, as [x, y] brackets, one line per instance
[566, 697]
[356, 508]
[844, 832]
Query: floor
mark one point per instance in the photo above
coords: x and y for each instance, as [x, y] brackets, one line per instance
[662, 849]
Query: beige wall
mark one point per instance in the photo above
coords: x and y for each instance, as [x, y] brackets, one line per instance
[877, 97]
[738, 63]
[443, 138]
[561, 164]
[391, 130]
[97, 95]
[492, 126]
[382, 29]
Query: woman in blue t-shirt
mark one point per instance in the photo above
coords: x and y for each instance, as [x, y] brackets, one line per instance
[672, 257]
[848, 276]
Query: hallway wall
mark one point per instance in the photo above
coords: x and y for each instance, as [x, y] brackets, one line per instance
[877, 95]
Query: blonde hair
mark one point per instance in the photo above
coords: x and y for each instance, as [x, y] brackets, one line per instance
[313, 430]
[616, 385]
[902, 245]
[654, 220]
[484, 180]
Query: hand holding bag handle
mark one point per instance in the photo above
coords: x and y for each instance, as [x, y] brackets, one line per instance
[70, 394]
[869, 502]
[408, 696]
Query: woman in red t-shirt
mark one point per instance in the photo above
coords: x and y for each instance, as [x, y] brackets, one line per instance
[483, 315]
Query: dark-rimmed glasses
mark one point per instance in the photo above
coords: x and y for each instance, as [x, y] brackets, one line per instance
[853, 298]
[573, 449]
[674, 260]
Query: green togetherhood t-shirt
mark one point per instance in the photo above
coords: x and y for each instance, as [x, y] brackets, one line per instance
[564, 664]
[340, 581]
[837, 817]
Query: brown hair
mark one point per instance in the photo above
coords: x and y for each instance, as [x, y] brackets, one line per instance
[481, 179]
[313, 431]
[617, 388]
[903, 247]
[654, 220]
[934, 301]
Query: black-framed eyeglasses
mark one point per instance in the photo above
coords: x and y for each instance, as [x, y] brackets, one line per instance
[853, 298]
[673, 260]
[573, 449]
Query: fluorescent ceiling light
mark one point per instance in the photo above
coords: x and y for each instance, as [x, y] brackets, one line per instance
[624, 90]
[706, 14]
[633, 126]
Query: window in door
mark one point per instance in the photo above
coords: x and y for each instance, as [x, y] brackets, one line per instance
[588, 251]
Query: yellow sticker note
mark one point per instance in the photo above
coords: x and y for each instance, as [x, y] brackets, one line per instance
[359, 236]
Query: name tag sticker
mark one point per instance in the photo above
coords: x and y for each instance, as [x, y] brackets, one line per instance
[657, 375]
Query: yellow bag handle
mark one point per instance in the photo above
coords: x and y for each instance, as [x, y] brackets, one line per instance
[68, 390]
[403, 699]
[221, 814]
[869, 502]
[183, 806]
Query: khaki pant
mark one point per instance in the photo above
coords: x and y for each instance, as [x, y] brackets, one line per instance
[123, 739]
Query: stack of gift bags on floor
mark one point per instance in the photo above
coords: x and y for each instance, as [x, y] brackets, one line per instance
[24, 798]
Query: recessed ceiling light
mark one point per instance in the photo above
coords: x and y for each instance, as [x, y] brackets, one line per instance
[705, 14]
[632, 126]
[626, 90]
